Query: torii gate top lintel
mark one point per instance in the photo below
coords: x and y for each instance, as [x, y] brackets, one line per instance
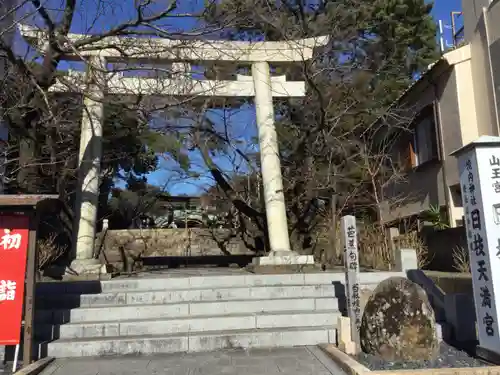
[187, 50]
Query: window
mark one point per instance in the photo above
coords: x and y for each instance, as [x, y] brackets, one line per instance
[456, 195]
[422, 147]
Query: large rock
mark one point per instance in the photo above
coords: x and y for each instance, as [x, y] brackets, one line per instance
[364, 296]
[398, 322]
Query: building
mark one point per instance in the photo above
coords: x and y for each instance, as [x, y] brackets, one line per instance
[184, 211]
[453, 103]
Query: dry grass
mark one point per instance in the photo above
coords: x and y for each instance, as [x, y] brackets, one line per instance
[375, 251]
[461, 260]
[412, 240]
[48, 251]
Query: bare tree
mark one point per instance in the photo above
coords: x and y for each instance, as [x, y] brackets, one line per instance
[325, 139]
[43, 96]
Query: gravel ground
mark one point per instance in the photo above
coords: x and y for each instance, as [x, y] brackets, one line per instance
[449, 357]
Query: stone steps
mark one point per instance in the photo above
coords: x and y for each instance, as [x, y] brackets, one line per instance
[191, 342]
[185, 295]
[204, 282]
[159, 311]
[185, 325]
[189, 313]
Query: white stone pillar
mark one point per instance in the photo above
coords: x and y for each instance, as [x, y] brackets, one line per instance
[277, 225]
[479, 171]
[89, 161]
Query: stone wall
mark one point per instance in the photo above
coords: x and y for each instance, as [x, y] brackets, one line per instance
[168, 242]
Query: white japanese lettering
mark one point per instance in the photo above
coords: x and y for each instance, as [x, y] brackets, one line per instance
[10, 241]
[7, 290]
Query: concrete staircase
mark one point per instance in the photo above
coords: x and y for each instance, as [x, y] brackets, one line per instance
[186, 314]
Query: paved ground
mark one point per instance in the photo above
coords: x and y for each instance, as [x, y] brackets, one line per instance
[295, 361]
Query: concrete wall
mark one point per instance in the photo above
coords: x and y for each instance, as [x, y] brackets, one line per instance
[482, 75]
[482, 31]
[492, 17]
[449, 123]
[458, 122]
[465, 95]
[472, 11]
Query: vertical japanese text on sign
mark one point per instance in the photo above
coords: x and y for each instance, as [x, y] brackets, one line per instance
[476, 242]
[351, 260]
[480, 185]
[13, 255]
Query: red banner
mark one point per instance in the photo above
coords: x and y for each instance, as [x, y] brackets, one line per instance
[14, 234]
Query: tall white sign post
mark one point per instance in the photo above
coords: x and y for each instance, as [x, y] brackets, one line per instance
[479, 168]
[351, 261]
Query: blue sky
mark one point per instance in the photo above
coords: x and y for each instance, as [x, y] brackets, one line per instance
[442, 8]
[243, 120]
[441, 11]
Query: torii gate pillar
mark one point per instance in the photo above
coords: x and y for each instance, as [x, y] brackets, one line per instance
[277, 225]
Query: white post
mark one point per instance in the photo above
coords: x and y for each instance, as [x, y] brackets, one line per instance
[479, 168]
[351, 262]
[274, 198]
[16, 358]
[89, 160]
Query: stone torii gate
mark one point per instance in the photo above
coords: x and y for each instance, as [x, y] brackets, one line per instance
[98, 82]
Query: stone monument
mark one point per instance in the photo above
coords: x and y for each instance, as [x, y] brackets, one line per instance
[479, 169]
[399, 323]
[351, 262]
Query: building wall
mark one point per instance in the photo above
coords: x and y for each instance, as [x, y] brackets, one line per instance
[492, 17]
[472, 11]
[483, 80]
[466, 100]
[465, 107]
[421, 187]
[449, 122]
[449, 132]
[451, 91]
[478, 84]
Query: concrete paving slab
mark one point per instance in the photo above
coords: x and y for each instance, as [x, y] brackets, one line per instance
[293, 361]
